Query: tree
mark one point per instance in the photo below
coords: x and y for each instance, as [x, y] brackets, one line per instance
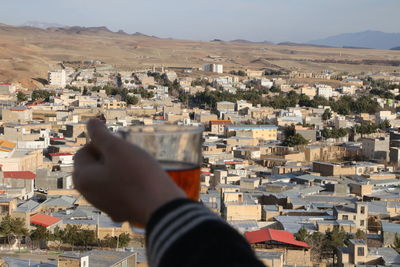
[327, 115]
[40, 234]
[71, 234]
[384, 125]
[396, 243]
[302, 234]
[21, 97]
[86, 237]
[316, 242]
[295, 140]
[41, 94]
[57, 236]
[335, 239]
[13, 228]
[333, 133]
[132, 100]
[360, 234]
[124, 240]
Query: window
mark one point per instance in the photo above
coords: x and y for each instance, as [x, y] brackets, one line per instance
[345, 217]
[362, 210]
[360, 251]
[362, 222]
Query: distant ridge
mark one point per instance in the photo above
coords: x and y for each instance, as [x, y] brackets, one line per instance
[251, 42]
[301, 44]
[42, 25]
[395, 48]
[366, 39]
[81, 30]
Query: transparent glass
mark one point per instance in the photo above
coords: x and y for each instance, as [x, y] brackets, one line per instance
[177, 148]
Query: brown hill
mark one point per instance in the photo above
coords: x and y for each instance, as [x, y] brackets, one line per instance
[27, 52]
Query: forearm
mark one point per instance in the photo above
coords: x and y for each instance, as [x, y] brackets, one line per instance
[185, 233]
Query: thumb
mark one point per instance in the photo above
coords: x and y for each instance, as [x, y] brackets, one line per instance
[101, 137]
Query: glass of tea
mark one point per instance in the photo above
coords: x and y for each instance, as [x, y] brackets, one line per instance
[177, 149]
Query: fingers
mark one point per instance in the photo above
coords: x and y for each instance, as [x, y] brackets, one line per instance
[85, 156]
[101, 137]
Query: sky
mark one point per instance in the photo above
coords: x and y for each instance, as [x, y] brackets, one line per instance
[255, 20]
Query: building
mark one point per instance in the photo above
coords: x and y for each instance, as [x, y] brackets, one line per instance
[325, 91]
[218, 126]
[225, 107]
[358, 214]
[295, 253]
[358, 253]
[263, 132]
[376, 148]
[217, 68]
[57, 78]
[98, 258]
[7, 88]
[17, 114]
[389, 232]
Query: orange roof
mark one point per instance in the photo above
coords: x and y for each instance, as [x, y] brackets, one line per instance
[6, 146]
[44, 220]
[19, 175]
[272, 235]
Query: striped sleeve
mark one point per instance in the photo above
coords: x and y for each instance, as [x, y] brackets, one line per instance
[182, 232]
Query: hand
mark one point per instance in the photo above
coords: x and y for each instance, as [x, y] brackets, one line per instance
[121, 179]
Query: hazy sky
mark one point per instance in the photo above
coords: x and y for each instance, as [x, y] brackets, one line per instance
[258, 20]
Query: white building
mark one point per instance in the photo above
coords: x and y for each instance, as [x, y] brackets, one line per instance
[266, 83]
[217, 68]
[7, 88]
[58, 78]
[325, 91]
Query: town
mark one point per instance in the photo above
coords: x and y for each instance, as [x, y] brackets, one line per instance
[303, 164]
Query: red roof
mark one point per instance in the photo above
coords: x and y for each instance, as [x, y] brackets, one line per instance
[44, 220]
[5, 83]
[266, 235]
[221, 122]
[60, 154]
[19, 175]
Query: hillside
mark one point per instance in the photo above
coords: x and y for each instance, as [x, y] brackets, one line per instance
[366, 39]
[27, 52]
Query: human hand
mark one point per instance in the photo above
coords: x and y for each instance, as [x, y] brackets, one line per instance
[121, 179]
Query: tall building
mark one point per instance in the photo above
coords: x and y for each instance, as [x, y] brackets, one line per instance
[7, 88]
[217, 68]
[58, 78]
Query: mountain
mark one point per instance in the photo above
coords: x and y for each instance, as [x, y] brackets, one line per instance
[28, 53]
[395, 48]
[251, 42]
[366, 39]
[301, 44]
[81, 30]
[41, 25]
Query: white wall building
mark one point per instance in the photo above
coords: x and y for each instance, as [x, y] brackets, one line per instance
[57, 78]
[325, 91]
[217, 68]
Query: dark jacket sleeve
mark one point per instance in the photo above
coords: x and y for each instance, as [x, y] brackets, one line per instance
[185, 233]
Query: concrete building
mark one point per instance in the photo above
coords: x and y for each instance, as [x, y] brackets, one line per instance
[262, 132]
[218, 126]
[217, 68]
[57, 78]
[17, 114]
[325, 91]
[98, 258]
[358, 214]
[7, 88]
[376, 148]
